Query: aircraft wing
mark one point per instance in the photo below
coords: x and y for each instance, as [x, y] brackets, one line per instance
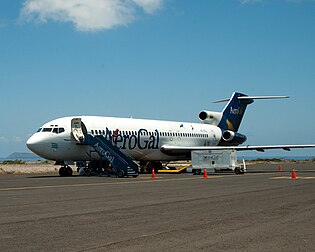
[262, 148]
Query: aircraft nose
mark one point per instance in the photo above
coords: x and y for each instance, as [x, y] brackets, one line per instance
[33, 143]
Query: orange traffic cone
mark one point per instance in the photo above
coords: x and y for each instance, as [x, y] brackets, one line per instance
[153, 173]
[293, 176]
[205, 175]
[280, 168]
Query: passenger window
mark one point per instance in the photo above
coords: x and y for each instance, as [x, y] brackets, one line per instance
[92, 131]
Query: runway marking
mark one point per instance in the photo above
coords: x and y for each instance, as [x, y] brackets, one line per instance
[104, 183]
[304, 178]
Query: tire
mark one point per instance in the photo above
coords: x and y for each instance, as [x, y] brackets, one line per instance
[88, 172]
[68, 171]
[197, 172]
[62, 171]
[120, 174]
[237, 171]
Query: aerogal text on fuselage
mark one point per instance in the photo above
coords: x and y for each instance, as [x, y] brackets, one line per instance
[141, 140]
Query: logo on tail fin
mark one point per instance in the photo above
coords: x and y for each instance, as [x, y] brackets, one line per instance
[230, 125]
[236, 111]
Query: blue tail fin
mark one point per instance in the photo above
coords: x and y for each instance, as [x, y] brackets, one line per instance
[233, 112]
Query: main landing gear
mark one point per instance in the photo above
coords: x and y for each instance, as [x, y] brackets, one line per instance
[65, 171]
[149, 166]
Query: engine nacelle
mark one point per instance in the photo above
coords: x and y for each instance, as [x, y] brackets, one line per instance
[210, 117]
[233, 138]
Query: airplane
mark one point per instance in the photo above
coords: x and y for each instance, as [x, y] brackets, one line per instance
[146, 141]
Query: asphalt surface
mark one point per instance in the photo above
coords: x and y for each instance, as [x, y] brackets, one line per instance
[263, 210]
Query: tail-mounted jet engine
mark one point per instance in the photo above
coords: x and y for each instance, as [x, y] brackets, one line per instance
[210, 117]
[229, 137]
[232, 138]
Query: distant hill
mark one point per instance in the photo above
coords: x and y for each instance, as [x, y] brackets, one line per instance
[23, 155]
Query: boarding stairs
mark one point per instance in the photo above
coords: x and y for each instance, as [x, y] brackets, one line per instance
[121, 164]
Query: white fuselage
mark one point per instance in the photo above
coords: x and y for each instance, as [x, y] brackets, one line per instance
[139, 138]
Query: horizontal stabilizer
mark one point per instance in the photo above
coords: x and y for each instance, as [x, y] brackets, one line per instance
[255, 98]
[262, 97]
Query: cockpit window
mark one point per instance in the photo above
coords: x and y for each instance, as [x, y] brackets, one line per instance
[58, 130]
[39, 130]
[47, 129]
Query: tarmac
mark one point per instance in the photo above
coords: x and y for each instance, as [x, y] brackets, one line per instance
[263, 210]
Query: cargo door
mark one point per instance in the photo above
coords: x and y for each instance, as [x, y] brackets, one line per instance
[77, 129]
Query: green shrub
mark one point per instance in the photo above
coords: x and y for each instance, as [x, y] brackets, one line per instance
[17, 161]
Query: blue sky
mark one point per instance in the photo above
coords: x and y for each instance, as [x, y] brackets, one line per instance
[157, 59]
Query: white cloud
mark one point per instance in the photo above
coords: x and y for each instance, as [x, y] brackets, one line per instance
[149, 6]
[88, 15]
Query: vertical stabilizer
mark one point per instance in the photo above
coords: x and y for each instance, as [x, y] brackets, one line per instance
[233, 112]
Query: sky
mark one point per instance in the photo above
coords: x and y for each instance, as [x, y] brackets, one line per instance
[158, 59]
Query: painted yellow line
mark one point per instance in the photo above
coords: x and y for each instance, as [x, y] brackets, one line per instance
[173, 171]
[168, 171]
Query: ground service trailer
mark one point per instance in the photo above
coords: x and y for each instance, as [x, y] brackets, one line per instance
[214, 160]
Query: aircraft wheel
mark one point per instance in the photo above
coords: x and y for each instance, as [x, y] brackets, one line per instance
[62, 171]
[88, 172]
[68, 171]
